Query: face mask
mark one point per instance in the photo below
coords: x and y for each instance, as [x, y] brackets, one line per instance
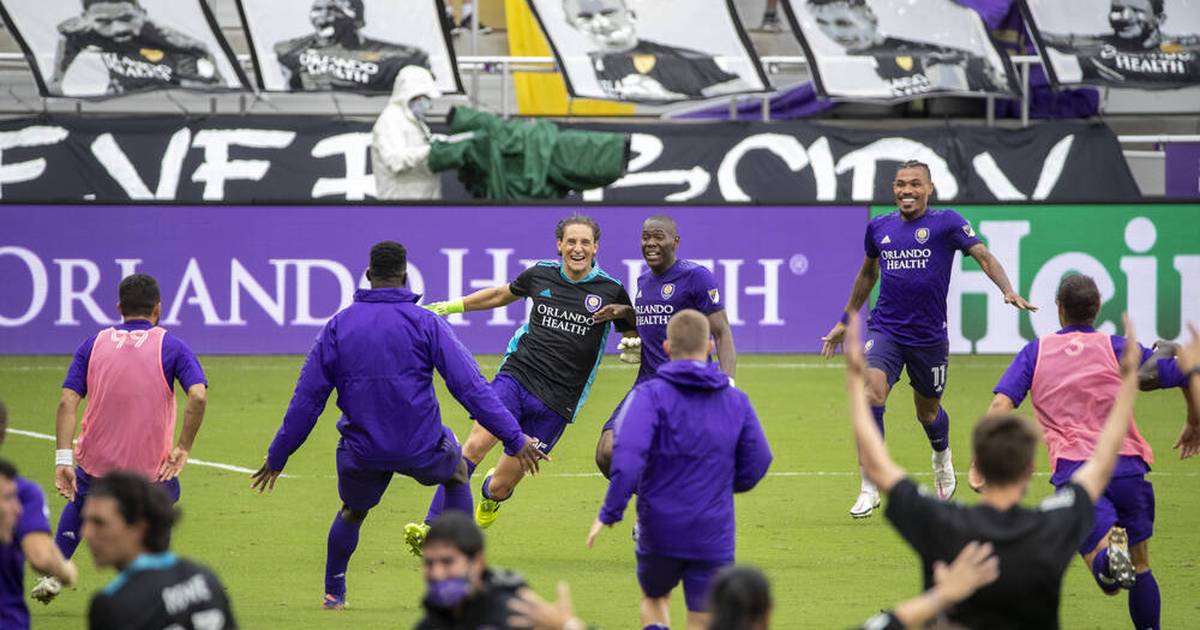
[448, 593]
[420, 107]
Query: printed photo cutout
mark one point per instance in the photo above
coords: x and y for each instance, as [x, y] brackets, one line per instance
[347, 45]
[99, 48]
[895, 50]
[1118, 43]
[651, 51]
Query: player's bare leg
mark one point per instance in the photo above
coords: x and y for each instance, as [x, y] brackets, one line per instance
[944, 480]
[877, 395]
[498, 486]
[656, 611]
[698, 620]
[479, 443]
[604, 453]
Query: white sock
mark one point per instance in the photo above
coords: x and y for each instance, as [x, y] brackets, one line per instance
[941, 458]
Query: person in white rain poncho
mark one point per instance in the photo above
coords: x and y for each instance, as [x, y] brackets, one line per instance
[400, 140]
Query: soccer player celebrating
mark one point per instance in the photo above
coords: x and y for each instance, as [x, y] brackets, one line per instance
[1073, 377]
[1034, 546]
[914, 249]
[671, 285]
[380, 353]
[550, 363]
[685, 442]
[128, 373]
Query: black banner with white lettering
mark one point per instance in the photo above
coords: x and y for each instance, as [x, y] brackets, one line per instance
[294, 159]
[1115, 43]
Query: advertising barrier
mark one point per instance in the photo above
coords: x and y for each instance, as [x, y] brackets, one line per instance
[247, 280]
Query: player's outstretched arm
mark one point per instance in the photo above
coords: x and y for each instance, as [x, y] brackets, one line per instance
[45, 557]
[974, 568]
[481, 300]
[1094, 475]
[1188, 360]
[876, 462]
[995, 271]
[868, 274]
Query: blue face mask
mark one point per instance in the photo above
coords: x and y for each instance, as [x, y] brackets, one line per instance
[449, 592]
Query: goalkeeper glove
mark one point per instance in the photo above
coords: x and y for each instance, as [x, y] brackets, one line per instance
[443, 309]
[631, 349]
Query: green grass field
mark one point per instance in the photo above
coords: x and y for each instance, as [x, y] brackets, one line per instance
[828, 570]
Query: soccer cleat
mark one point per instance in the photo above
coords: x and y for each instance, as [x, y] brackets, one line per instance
[488, 509]
[46, 589]
[1120, 564]
[868, 500]
[944, 479]
[333, 602]
[414, 537]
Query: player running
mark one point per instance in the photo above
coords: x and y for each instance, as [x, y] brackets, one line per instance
[551, 362]
[671, 285]
[914, 248]
[1073, 376]
[128, 374]
[380, 353]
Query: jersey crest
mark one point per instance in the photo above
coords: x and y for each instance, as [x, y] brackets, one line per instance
[922, 235]
[592, 302]
[668, 290]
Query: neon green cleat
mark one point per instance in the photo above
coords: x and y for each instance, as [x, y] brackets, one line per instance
[488, 510]
[414, 536]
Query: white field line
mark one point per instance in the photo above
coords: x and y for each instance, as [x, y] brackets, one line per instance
[191, 460]
[584, 475]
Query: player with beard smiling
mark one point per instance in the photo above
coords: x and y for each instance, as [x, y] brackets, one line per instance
[339, 57]
[138, 54]
[915, 249]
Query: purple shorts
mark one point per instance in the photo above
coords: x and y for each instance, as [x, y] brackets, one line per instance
[536, 419]
[659, 575]
[926, 365]
[361, 486]
[1127, 502]
[611, 423]
[83, 483]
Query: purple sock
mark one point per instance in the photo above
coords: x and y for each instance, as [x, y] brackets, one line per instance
[938, 431]
[69, 524]
[1145, 603]
[878, 413]
[656, 626]
[486, 490]
[439, 496]
[1100, 572]
[343, 538]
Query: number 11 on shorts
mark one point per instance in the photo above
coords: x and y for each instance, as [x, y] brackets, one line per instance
[939, 377]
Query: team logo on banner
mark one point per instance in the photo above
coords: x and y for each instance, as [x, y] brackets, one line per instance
[922, 235]
[592, 303]
[668, 290]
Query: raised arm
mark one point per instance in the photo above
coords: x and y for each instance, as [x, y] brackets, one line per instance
[1094, 475]
[995, 271]
[868, 274]
[877, 464]
[481, 300]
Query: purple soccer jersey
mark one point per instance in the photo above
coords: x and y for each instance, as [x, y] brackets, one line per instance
[685, 285]
[35, 517]
[915, 261]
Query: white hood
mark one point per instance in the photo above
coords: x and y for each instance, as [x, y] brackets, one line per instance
[411, 82]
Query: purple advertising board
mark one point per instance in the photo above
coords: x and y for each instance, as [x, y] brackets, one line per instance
[263, 279]
[1183, 170]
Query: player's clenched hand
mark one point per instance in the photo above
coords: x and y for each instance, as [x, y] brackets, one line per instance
[596, 527]
[832, 340]
[64, 481]
[530, 456]
[173, 464]
[1019, 302]
[974, 568]
[264, 478]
